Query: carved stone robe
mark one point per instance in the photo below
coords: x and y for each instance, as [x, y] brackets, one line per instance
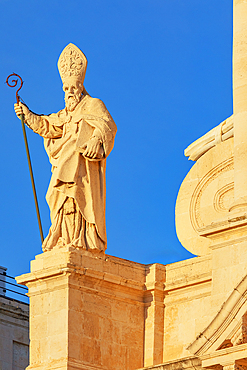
[77, 185]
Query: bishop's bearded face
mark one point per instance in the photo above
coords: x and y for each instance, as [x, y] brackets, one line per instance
[73, 91]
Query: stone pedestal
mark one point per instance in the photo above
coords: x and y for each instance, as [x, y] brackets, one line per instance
[88, 312]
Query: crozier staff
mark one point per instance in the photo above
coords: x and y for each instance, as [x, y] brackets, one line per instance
[77, 140]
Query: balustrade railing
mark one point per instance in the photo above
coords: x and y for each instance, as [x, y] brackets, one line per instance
[10, 289]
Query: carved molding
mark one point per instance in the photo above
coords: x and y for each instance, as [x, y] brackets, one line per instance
[220, 202]
[195, 205]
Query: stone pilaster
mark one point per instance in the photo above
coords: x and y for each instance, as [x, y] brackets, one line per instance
[154, 315]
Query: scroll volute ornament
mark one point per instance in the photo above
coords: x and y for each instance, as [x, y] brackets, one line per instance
[204, 198]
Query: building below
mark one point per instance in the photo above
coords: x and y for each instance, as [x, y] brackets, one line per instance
[14, 331]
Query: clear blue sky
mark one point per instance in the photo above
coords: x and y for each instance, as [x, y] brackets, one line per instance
[163, 69]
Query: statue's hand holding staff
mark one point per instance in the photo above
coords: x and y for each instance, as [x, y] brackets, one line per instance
[20, 109]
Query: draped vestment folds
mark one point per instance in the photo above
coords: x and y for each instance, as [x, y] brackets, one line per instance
[76, 194]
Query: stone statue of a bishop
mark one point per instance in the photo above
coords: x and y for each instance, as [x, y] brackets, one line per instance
[77, 139]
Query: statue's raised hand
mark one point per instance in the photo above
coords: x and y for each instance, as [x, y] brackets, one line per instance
[93, 148]
[21, 109]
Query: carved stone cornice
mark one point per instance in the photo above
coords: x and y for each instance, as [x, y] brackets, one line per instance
[227, 319]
